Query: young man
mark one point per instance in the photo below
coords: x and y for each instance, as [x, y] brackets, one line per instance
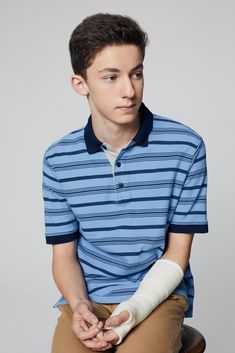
[124, 196]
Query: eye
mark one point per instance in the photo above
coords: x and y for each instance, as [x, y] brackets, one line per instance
[110, 78]
[138, 74]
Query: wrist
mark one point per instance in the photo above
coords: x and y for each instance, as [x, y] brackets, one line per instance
[74, 304]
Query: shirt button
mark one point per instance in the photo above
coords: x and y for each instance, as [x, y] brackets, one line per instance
[118, 164]
[120, 185]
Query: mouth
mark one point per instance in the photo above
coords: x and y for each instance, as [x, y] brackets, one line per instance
[127, 109]
[129, 106]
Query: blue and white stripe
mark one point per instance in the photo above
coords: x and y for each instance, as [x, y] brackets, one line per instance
[121, 217]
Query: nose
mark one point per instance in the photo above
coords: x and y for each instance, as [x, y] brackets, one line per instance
[127, 89]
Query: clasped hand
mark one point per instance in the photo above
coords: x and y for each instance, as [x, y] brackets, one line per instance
[91, 331]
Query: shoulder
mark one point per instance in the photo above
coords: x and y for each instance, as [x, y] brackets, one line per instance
[175, 130]
[67, 145]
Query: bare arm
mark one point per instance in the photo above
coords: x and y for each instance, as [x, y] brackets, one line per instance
[179, 248]
[69, 279]
[67, 273]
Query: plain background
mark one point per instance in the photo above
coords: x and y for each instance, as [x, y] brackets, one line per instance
[189, 76]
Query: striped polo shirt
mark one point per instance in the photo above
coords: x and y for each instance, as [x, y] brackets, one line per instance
[120, 208]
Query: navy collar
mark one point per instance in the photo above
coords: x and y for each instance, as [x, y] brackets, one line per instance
[93, 144]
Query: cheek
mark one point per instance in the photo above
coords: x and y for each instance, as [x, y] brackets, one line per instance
[140, 85]
[103, 89]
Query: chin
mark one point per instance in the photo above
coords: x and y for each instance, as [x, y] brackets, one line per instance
[127, 118]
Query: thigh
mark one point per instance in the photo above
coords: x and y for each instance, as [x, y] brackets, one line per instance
[64, 339]
[160, 332]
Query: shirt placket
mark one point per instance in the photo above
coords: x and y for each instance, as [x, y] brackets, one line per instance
[120, 177]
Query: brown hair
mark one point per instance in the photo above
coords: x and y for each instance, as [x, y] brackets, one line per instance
[98, 31]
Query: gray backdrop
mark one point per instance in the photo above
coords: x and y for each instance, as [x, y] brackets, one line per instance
[189, 71]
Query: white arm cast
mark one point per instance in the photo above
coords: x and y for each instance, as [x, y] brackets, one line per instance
[161, 280]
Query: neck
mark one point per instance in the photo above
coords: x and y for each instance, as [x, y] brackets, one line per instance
[116, 135]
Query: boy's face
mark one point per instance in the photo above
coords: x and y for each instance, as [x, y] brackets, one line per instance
[114, 84]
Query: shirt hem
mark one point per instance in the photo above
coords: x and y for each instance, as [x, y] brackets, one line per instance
[191, 228]
[62, 301]
[60, 239]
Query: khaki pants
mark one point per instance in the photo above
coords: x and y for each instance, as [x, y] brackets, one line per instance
[160, 332]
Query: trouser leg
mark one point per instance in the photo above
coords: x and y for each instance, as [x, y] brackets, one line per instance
[161, 332]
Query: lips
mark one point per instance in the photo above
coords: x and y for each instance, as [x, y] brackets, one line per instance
[126, 106]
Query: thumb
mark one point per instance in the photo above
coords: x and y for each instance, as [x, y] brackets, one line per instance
[118, 319]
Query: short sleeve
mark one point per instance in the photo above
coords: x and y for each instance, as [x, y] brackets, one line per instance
[61, 226]
[190, 214]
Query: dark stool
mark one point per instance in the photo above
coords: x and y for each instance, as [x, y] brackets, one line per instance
[192, 340]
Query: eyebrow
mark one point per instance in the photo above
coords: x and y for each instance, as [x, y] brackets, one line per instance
[111, 69]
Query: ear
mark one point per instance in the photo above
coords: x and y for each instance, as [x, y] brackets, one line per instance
[79, 85]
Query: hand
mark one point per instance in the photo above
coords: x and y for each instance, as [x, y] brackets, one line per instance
[87, 326]
[110, 335]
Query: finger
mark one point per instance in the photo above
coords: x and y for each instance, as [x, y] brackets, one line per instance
[104, 349]
[84, 326]
[90, 318]
[88, 315]
[110, 336]
[85, 312]
[87, 335]
[78, 327]
[101, 349]
[97, 345]
[100, 336]
[79, 321]
[100, 324]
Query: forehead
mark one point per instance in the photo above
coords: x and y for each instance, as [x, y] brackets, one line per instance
[121, 57]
